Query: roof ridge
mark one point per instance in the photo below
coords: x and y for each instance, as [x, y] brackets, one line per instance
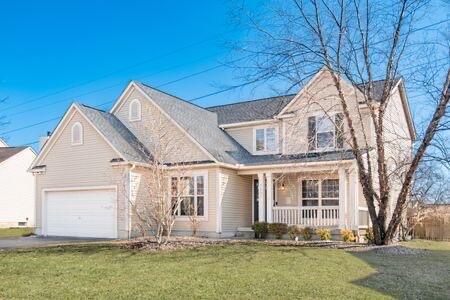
[173, 96]
[247, 101]
[91, 107]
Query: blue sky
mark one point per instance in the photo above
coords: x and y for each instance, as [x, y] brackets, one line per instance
[61, 51]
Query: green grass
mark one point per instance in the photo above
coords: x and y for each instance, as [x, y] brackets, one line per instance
[15, 232]
[233, 271]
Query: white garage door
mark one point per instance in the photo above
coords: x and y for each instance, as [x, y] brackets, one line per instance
[89, 213]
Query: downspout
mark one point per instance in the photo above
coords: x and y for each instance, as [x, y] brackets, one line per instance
[133, 166]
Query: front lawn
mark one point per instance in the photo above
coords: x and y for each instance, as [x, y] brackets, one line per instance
[231, 271]
[15, 232]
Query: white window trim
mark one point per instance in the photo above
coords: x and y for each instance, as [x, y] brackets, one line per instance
[203, 218]
[277, 141]
[318, 115]
[319, 198]
[73, 143]
[139, 105]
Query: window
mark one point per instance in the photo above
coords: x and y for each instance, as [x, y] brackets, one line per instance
[135, 110]
[330, 192]
[77, 134]
[191, 192]
[265, 140]
[310, 193]
[325, 132]
[320, 192]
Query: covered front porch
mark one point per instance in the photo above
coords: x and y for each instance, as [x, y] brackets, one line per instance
[309, 196]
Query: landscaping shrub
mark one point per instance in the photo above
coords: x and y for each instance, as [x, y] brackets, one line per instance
[278, 229]
[260, 229]
[369, 236]
[294, 231]
[324, 234]
[307, 233]
[347, 235]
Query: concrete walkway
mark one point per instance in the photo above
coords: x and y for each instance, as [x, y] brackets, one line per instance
[34, 241]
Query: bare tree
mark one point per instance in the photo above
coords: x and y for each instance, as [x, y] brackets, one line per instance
[367, 44]
[159, 188]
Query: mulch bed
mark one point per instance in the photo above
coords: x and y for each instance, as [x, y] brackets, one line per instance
[179, 243]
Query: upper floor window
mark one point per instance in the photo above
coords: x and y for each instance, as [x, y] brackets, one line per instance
[325, 132]
[77, 134]
[135, 110]
[265, 140]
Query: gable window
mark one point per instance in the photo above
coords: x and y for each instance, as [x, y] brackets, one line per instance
[135, 110]
[191, 191]
[265, 140]
[77, 134]
[325, 132]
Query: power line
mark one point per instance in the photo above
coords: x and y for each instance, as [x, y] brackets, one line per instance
[119, 84]
[155, 58]
[191, 75]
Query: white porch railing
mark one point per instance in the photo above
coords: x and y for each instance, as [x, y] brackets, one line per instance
[307, 216]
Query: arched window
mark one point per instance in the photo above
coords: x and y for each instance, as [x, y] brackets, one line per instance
[135, 110]
[77, 134]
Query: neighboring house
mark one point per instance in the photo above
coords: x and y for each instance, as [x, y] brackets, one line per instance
[94, 160]
[17, 187]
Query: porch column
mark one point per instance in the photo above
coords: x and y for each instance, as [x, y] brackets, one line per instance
[269, 197]
[261, 200]
[342, 198]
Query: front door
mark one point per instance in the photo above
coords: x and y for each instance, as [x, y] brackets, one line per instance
[255, 200]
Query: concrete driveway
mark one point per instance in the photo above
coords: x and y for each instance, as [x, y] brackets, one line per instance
[34, 241]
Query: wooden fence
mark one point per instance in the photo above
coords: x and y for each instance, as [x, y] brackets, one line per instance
[433, 230]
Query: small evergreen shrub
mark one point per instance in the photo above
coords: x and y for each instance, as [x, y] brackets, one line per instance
[278, 229]
[307, 233]
[347, 235]
[324, 234]
[260, 229]
[295, 231]
[369, 236]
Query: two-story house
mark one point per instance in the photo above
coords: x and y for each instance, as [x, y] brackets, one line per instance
[281, 159]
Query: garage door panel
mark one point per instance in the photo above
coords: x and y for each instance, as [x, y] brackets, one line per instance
[89, 213]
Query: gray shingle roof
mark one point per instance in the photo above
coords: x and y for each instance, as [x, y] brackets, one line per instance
[117, 134]
[7, 152]
[377, 87]
[299, 158]
[253, 110]
[201, 124]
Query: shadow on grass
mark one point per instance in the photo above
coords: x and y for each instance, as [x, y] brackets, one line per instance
[408, 276]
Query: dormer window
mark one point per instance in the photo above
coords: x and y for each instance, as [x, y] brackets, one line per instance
[265, 140]
[325, 132]
[77, 134]
[135, 110]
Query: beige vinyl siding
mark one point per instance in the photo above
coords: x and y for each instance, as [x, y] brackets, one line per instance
[85, 165]
[321, 97]
[245, 135]
[236, 197]
[138, 193]
[155, 128]
[290, 195]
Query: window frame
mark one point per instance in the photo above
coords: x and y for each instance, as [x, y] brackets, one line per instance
[265, 150]
[72, 140]
[328, 118]
[203, 218]
[139, 110]
[320, 197]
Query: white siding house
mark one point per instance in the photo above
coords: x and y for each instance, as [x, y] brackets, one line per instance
[17, 188]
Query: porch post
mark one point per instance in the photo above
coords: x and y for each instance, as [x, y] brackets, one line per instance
[269, 197]
[261, 200]
[342, 197]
